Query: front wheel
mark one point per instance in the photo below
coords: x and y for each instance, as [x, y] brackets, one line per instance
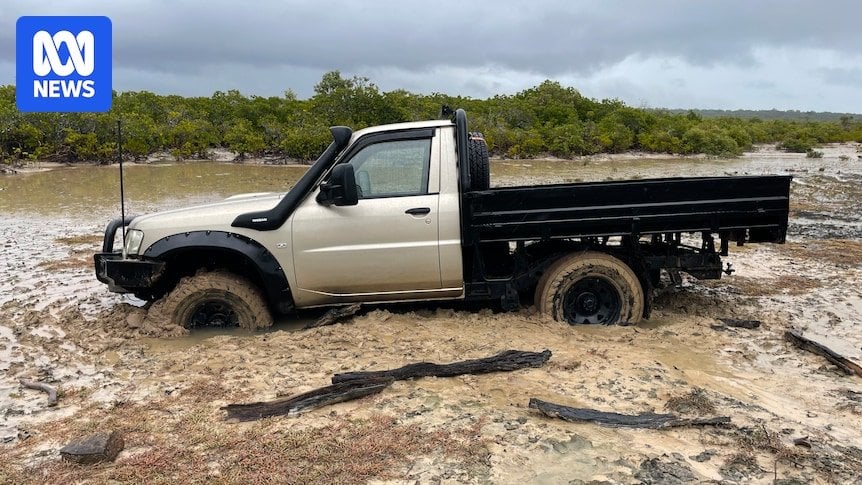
[590, 287]
[213, 299]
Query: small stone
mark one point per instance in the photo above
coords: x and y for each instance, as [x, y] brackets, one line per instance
[671, 470]
[8, 435]
[703, 456]
[95, 448]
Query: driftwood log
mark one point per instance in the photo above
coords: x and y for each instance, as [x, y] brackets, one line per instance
[334, 315]
[301, 403]
[616, 420]
[846, 365]
[740, 323]
[354, 385]
[505, 361]
[38, 386]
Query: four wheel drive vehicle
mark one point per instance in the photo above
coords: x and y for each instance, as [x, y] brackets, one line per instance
[404, 212]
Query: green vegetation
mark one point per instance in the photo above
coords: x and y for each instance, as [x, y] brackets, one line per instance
[546, 119]
[770, 114]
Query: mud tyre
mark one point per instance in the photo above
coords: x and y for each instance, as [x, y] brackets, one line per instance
[590, 287]
[480, 168]
[214, 299]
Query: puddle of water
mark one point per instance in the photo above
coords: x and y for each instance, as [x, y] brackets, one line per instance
[38, 208]
[205, 335]
[83, 189]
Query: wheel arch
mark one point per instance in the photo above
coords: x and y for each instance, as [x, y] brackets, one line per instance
[188, 252]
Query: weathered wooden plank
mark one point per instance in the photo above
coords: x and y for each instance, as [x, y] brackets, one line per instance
[335, 315]
[301, 403]
[617, 420]
[740, 323]
[508, 360]
[846, 365]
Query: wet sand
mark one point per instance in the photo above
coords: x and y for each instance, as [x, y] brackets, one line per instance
[59, 325]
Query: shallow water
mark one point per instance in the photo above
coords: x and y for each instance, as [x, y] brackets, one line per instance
[87, 189]
[38, 208]
[288, 323]
[91, 193]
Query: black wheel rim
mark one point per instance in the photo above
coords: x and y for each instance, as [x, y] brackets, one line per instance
[592, 300]
[214, 313]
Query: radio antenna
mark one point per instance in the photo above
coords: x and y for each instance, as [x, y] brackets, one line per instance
[122, 194]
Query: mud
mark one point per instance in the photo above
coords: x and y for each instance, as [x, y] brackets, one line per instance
[60, 326]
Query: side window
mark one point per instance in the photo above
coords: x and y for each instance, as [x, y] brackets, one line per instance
[392, 169]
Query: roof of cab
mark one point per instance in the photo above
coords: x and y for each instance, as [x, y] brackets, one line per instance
[400, 126]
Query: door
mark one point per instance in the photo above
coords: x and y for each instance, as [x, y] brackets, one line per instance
[385, 248]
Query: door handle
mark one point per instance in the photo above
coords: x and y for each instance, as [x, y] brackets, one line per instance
[418, 211]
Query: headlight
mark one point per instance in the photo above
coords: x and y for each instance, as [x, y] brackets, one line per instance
[134, 238]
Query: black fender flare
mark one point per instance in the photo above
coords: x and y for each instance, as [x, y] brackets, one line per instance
[275, 284]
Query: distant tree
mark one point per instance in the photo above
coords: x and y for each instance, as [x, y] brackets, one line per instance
[190, 137]
[243, 139]
[614, 136]
[547, 118]
[87, 147]
[710, 140]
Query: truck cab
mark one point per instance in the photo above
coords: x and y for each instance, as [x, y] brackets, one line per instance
[400, 241]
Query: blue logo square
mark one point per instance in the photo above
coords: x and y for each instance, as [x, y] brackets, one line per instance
[63, 64]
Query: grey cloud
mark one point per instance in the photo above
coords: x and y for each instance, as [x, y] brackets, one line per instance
[550, 37]
[761, 84]
[842, 76]
[484, 46]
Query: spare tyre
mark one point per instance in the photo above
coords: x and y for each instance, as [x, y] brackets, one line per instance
[477, 154]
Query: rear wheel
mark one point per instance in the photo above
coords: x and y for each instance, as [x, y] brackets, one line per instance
[214, 299]
[590, 287]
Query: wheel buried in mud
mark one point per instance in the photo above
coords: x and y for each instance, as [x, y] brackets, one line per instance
[590, 287]
[214, 299]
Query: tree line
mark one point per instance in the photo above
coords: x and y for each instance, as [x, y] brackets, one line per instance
[548, 119]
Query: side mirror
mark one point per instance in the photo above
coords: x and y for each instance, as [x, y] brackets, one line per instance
[340, 187]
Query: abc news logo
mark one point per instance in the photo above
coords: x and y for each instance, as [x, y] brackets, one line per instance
[63, 64]
[46, 59]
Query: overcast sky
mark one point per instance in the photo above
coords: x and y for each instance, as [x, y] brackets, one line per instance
[725, 54]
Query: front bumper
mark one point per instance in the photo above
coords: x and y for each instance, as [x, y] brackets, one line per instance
[127, 275]
[124, 275]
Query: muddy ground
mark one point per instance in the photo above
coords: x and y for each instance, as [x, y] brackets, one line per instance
[60, 326]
